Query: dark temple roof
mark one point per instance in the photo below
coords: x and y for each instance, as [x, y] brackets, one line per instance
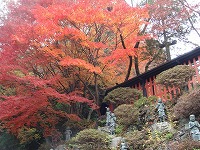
[153, 72]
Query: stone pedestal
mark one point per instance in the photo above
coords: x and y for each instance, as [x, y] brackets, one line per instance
[162, 127]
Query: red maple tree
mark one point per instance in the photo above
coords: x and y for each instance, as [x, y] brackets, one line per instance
[51, 51]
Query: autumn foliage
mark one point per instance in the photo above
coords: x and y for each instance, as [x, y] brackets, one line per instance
[51, 51]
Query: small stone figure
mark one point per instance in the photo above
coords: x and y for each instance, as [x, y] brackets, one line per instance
[112, 124]
[161, 110]
[108, 116]
[194, 128]
[68, 133]
[123, 145]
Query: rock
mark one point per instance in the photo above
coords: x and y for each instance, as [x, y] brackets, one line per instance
[104, 129]
[61, 147]
[115, 142]
[162, 127]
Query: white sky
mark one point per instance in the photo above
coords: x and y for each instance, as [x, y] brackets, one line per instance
[180, 47]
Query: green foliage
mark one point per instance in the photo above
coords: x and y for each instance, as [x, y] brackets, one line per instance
[188, 104]
[59, 106]
[168, 136]
[137, 140]
[123, 96]
[158, 139]
[145, 101]
[91, 139]
[177, 76]
[159, 136]
[80, 125]
[141, 112]
[8, 91]
[10, 142]
[146, 108]
[27, 135]
[119, 129]
[126, 115]
[141, 102]
[101, 121]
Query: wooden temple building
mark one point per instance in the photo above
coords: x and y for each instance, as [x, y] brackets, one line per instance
[146, 81]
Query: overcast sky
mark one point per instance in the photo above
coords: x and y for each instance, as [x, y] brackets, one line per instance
[180, 47]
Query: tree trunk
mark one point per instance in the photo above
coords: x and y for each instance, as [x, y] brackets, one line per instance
[130, 59]
[96, 89]
[89, 115]
[137, 70]
[167, 49]
[129, 67]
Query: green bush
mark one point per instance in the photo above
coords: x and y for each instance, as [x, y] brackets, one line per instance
[101, 121]
[89, 139]
[146, 108]
[10, 142]
[80, 125]
[137, 140]
[145, 101]
[177, 76]
[188, 104]
[119, 129]
[126, 115]
[168, 136]
[123, 96]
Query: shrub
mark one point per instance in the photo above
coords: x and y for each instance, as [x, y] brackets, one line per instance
[188, 104]
[10, 142]
[45, 146]
[145, 101]
[126, 115]
[177, 76]
[80, 125]
[123, 96]
[185, 145]
[146, 108]
[91, 139]
[168, 136]
[101, 121]
[137, 140]
[119, 129]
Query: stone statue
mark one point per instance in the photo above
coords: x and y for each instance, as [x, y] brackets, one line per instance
[108, 116]
[112, 124]
[68, 133]
[123, 145]
[194, 128]
[161, 110]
